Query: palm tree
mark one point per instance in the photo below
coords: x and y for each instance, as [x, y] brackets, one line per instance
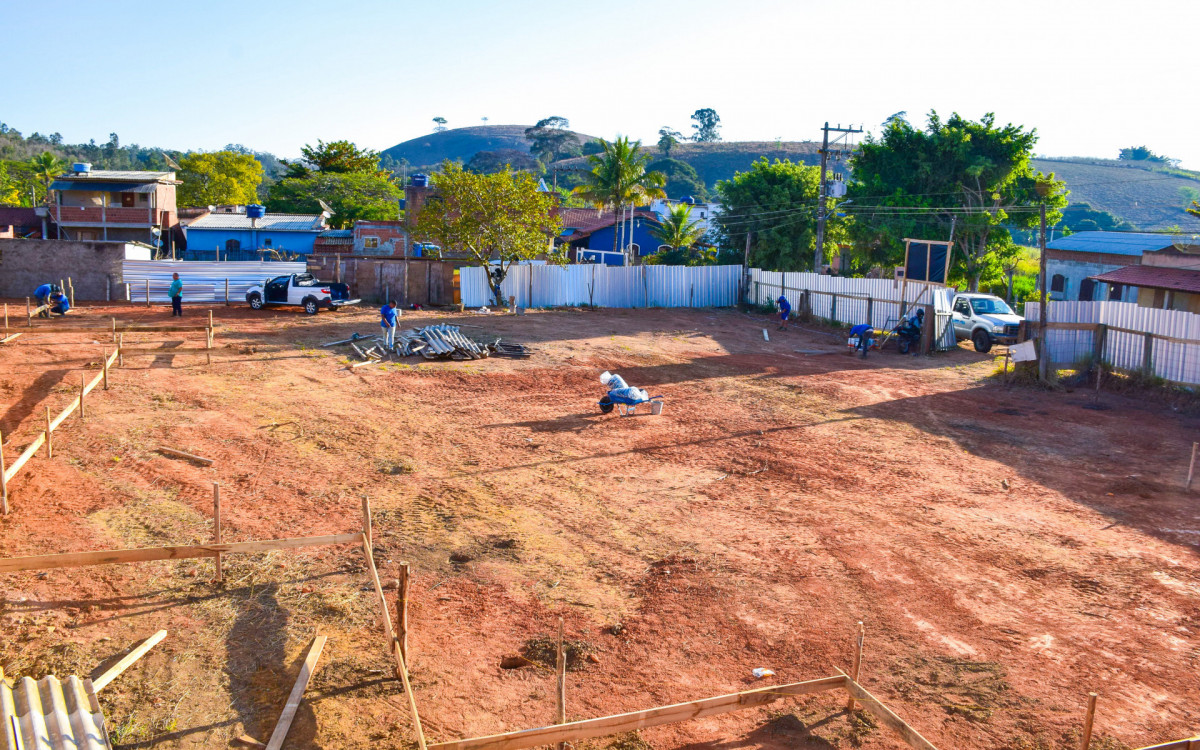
[46, 166]
[678, 231]
[618, 179]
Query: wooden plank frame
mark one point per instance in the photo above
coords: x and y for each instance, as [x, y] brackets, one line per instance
[651, 717]
[1191, 743]
[293, 702]
[127, 661]
[886, 716]
[145, 554]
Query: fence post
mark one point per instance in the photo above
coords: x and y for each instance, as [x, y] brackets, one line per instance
[227, 292]
[833, 308]
[1148, 354]
[870, 312]
[927, 330]
[147, 291]
[1099, 335]
[3, 481]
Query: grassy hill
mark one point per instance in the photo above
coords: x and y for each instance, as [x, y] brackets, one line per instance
[460, 144]
[721, 160]
[1148, 198]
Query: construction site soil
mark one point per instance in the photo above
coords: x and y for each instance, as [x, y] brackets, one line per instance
[1007, 549]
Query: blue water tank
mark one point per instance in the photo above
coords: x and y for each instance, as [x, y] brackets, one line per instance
[419, 180]
[81, 167]
[418, 249]
[255, 211]
[688, 200]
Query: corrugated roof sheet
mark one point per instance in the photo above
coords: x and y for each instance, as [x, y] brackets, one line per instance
[1114, 243]
[273, 222]
[120, 174]
[337, 233]
[52, 715]
[1154, 277]
[109, 187]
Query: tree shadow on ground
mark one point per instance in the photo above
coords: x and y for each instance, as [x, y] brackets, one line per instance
[35, 393]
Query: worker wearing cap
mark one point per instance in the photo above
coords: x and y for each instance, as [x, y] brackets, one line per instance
[785, 311]
[42, 295]
[59, 303]
[388, 314]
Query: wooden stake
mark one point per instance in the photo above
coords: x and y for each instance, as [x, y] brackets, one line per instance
[82, 393]
[120, 346]
[1086, 740]
[857, 662]
[29, 312]
[561, 692]
[147, 292]
[393, 644]
[3, 480]
[5, 316]
[293, 702]
[402, 610]
[49, 436]
[114, 329]
[227, 292]
[180, 454]
[217, 525]
[115, 670]
[105, 368]
[71, 291]
[1191, 467]
[366, 513]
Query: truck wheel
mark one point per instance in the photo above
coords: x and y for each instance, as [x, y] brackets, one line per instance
[982, 341]
[310, 306]
[256, 301]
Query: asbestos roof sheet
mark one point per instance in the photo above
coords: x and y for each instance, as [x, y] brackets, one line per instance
[51, 715]
[1154, 277]
[104, 187]
[1115, 243]
[120, 174]
[272, 222]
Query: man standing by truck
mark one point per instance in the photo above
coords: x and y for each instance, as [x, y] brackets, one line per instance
[175, 292]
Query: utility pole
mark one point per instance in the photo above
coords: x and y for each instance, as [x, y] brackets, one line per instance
[1043, 350]
[819, 253]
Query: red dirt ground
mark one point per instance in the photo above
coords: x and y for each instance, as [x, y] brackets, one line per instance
[1007, 549]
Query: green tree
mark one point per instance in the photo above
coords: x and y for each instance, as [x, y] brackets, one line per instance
[707, 124]
[489, 162]
[977, 174]
[499, 219]
[46, 166]
[667, 140]
[1195, 209]
[618, 177]
[352, 196]
[682, 179]
[775, 203]
[550, 139]
[211, 179]
[336, 157]
[439, 124]
[679, 233]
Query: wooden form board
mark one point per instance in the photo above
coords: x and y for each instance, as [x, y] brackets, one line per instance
[608, 725]
[138, 652]
[293, 702]
[887, 717]
[1192, 743]
[98, 331]
[145, 554]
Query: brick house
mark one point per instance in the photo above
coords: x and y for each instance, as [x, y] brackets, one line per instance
[116, 205]
[380, 238]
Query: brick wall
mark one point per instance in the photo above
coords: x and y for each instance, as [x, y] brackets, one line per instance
[408, 280]
[93, 267]
[389, 238]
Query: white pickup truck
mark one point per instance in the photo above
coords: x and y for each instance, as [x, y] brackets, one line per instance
[985, 320]
[300, 289]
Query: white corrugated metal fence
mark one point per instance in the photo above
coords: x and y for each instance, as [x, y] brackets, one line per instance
[607, 286]
[203, 281]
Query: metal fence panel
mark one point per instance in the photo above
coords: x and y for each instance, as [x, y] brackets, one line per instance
[607, 286]
[203, 281]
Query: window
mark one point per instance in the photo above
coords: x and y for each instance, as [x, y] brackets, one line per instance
[232, 246]
[1087, 290]
[127, 199]
[635, 248]
[370, 243]
[1058, 283]
[962, 307]
[267, 242]
[990, 306]
[1115, 292]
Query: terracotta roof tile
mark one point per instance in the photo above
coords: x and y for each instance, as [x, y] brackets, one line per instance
[1154, 277]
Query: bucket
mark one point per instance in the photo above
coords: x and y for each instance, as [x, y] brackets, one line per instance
[656, 407]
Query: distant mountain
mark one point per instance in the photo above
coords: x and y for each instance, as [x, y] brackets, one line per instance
[460, 144]
[1145, 195]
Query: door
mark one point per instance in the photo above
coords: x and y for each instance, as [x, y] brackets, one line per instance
[962, 318]
[277, 289]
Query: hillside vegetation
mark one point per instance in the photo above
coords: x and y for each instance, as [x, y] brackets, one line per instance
[460, 144]
[1146, 197]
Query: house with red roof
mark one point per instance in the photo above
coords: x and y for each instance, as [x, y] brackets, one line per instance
[588, 234]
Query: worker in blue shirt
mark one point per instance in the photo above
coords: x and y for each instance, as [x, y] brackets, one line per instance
[175, 292]
[42, 295]
[59, 303]
[388, 314]
[785, 311]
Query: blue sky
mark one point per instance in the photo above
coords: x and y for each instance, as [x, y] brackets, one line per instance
[1090, 76]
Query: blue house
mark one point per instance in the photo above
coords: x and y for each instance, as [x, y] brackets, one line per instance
[1073, 260]
[588, 233]
[248, 233]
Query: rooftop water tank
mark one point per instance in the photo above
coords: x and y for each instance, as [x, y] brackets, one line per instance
[420, 180]
[255, 211]
[81, 167]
